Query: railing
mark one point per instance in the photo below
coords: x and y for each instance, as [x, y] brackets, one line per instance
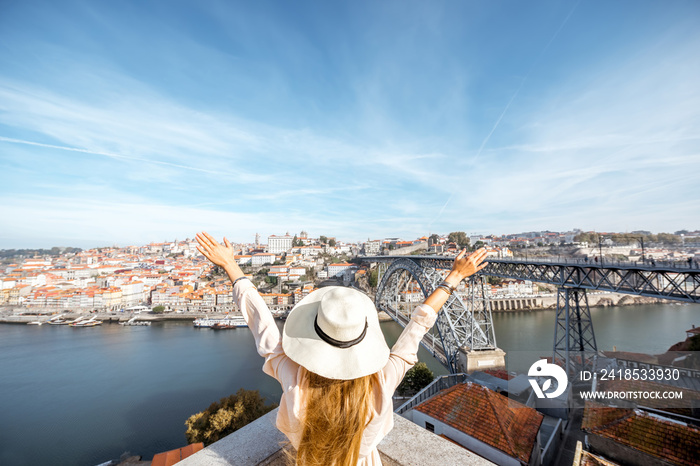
[682, 371]
[551, 449]
[646, 263]
[437, 385]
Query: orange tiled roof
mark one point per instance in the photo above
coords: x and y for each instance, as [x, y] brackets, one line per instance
[672, 441]
[500, 373]
[619, 385]
[487, 416]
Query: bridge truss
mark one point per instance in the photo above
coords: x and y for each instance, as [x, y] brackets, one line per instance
[681, 284]
[465, 321]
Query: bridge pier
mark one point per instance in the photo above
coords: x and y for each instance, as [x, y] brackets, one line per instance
[574, 339]
[469, 361]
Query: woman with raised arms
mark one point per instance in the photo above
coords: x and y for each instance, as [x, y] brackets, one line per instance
[337, 373]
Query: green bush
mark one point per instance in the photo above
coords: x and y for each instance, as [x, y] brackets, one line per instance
[417, 378]
[158, 309]
[226, 416]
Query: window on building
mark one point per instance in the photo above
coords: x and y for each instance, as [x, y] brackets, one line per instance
[430, 427]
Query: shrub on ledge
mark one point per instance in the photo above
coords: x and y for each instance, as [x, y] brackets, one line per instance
[226, 416]
[417, 378]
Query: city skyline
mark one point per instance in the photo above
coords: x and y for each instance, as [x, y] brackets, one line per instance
[264, 239]
[131, 122]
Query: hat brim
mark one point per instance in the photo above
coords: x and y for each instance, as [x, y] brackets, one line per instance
[303, 345]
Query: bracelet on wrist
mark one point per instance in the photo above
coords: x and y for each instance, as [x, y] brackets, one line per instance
[239, 279]
[448, 286]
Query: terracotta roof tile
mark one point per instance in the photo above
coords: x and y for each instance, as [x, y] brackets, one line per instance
[681, 406]
[500, 373]
[487, 416]
[672, 441]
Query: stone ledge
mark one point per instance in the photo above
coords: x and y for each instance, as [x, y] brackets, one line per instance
[260, 443]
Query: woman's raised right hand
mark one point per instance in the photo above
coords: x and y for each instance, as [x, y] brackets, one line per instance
[466, 265]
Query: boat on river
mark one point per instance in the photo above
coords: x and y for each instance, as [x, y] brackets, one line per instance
[55, 320]
[93, 322]
[227, 322]
[58, 320]
[134, 321]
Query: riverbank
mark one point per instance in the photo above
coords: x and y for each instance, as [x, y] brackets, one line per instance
[18, 315]
[112, 317]
[595, 299]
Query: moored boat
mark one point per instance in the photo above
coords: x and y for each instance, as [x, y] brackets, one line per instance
[223, 323]
[59, 322]
[221, 326]
[86, 323]
[133, 321]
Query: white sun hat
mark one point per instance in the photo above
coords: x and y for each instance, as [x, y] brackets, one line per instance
[334, 332]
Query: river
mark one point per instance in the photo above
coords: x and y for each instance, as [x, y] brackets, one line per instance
[82, 396]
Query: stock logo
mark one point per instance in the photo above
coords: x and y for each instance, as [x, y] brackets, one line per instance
[543, 369]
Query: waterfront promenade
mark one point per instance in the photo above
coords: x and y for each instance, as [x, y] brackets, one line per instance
[31, 315]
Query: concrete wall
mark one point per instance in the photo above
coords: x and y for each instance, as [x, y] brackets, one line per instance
[408, 250]
[550, 302]
[260, 443]
[516, 304]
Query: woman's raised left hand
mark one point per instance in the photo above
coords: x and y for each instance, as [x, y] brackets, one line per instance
[217, 253]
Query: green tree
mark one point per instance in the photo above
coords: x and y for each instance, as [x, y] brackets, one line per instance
[226, 416]
[271, 280]
[331, 242]
[459, 238]
[417, 378]
[668, 238]
[590, 237]
[158, 309]
[495, 281]
[323, 239]
[373, 278]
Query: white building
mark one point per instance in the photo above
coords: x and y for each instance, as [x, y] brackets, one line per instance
[262, 259]
[279, 244]
[335, 269]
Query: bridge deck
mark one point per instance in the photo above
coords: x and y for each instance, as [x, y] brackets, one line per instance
[678, 281]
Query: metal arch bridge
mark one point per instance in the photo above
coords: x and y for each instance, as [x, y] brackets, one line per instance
[468, 323]
[466, 318]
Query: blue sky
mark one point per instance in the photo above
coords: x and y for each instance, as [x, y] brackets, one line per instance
[136, 121]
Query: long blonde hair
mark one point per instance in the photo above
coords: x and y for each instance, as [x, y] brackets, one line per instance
[336, 414]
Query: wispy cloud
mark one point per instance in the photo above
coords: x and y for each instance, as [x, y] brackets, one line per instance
[362, 125]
